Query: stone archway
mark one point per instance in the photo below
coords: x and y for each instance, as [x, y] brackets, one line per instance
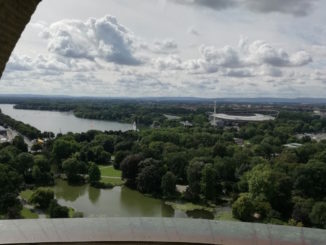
[14, 16]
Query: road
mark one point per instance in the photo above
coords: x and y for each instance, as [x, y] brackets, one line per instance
[11, 134]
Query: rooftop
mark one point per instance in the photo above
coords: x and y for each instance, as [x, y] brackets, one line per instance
[250, 118]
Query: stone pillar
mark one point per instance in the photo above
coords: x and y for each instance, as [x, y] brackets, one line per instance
[14, 16]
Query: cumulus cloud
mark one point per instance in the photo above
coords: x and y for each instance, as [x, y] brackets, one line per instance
[48, 64]
[231, 61]
[140, 84]
[292, 7]
[171, 62]
[165, 46]
[102, 38]
[238, 73]
[261, 52]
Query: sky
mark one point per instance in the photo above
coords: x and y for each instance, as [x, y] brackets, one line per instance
[146, 48]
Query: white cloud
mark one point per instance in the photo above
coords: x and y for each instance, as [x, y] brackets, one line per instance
[165, 46]
[246, 55]
[261, 52]
[102, 38]
[171, 62]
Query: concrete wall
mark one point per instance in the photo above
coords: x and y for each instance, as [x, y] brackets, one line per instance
[14, 16]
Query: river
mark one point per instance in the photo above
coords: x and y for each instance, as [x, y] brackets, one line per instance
[60, 122]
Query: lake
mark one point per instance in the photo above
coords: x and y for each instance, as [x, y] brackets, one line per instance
[60, 122]
[117, 202]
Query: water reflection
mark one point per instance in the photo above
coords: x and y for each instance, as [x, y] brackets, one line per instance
[117, 202]
[68, 192]
[94, 194]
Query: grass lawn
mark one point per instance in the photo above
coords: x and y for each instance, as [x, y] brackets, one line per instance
[111, 175]
[28, 214]
[109, 171]
[189, 206]
[26, 194]
[226, 216]
[113, 181]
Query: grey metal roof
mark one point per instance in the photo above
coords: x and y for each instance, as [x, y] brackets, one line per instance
[253, 118]
[154, 230]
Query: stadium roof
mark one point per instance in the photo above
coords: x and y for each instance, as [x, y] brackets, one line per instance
[252, 118]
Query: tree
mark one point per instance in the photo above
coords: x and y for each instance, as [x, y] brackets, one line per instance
[24, 163]
[119, 156]
[73, 168]
[193, 177]
[10, 182]
[177, 164]
[149, 177]
[64, 148]
[272, 185]
[309, 180]
[155, 149]
[168, 184]
[243, 208]
[318, 214]
[41, 171]
[301, 210]
[42, 162]
[20, 144]
[42, 197]
[107, 141]
[219, 150]
[58, 211]
[94, 173]
[208, 182]
[129, 168]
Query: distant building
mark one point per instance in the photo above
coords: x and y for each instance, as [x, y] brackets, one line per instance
[186, 124]
[292, 145]
[156, 124]
[321, 113]
[3, 135]
[224, 119]
[3, 131]
[239, 141]
[318, 137]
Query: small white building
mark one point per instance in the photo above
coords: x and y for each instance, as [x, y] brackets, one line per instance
[186, 124]
[292, 145]
[3, 131]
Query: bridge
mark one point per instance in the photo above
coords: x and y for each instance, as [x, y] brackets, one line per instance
[153, 231]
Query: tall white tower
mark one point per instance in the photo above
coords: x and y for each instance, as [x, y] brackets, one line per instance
[134, 126]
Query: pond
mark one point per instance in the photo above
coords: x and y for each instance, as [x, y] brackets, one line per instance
[61, 122]
[117, 202]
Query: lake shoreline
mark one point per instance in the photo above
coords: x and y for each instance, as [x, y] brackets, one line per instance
[61, 122]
